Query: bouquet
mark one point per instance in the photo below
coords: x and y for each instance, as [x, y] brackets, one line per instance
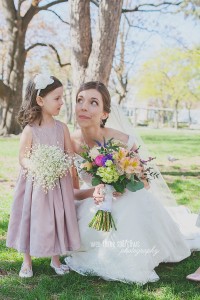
[46, 165]
[112, 164]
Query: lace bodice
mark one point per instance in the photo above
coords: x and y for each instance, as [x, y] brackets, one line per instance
[85, 177]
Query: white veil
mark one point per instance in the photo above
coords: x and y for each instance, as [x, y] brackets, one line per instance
[117, 120]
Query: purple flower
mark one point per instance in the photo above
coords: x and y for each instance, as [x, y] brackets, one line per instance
[146, 161]
[105, 158]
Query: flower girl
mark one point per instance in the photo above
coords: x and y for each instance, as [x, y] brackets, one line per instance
[43, 219]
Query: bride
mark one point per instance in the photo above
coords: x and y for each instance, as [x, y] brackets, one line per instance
[146, 233]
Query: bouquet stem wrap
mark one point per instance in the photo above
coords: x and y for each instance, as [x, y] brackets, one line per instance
[103, 220]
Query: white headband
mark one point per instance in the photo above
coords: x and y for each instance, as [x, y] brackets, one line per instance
[42, 81]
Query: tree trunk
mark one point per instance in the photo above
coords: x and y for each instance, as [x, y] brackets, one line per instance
[189, 114]
[135, 117]
[176, 114]
[15, 76]
[93, 60]
[101, 57]
[12, 86]
[81, 40]
[11, 97]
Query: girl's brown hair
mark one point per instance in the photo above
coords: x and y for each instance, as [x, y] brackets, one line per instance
[30, 111]
[101, 88]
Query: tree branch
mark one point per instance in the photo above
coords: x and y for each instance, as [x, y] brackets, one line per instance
[58, 16]
[137, 8]
[53, 48]
[9, 12]
[95, 2]
[34, 9]
[45, 7]
[19, 5]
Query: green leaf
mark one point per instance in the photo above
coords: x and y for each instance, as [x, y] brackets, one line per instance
[96, 181]
[134, 186]
[118, 187]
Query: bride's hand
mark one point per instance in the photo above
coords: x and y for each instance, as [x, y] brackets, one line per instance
[98, 194]
[146, 184]
[116, 194]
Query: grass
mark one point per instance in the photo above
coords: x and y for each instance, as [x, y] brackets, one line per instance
[183, 178]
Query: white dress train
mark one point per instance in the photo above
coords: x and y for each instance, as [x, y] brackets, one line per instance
[146, 236]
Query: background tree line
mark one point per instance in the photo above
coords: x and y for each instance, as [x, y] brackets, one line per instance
[95, 27]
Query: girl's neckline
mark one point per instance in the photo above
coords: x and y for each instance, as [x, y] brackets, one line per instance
[53, 125]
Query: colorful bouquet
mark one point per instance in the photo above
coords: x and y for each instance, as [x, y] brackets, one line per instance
[46, 165]
[112, 164]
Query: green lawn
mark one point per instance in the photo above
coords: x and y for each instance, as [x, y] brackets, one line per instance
[183, 178]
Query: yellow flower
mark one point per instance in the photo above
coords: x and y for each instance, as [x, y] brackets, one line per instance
[121, 154]
[130, 165]
[87, 165]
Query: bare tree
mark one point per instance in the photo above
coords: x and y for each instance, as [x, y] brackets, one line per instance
[12, 84]
[92, 54]
[91, 59]
[121, 71]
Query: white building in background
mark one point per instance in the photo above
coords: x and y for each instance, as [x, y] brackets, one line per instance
[142, 114]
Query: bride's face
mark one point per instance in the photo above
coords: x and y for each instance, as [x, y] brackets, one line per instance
[89, 108]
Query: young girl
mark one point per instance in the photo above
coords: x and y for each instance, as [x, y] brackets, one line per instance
[43, 224]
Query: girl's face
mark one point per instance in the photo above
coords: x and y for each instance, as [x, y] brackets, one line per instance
[52, 102]
[89, 108]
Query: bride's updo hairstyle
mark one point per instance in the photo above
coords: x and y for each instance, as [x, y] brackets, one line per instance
[101, 88]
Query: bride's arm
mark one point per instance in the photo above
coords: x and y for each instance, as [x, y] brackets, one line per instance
[81, 194]
[75, 178]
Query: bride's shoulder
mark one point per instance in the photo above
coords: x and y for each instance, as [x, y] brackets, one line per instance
[117, 135]
[75, 135]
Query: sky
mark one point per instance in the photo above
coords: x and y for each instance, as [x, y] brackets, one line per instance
[166, 30]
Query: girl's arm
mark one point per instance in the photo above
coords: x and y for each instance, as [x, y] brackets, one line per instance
[25, 146]
[68, 146]
[83, 194]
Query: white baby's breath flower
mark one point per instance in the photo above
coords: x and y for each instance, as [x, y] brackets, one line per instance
[47, 165]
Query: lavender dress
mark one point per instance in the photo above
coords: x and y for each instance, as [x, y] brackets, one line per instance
[44, 224]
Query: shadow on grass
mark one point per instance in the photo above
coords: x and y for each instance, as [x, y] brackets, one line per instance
[179, 173]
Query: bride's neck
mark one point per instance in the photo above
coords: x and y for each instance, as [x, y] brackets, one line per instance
[92, 133]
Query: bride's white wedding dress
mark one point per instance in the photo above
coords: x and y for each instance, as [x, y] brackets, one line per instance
[146, 236]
